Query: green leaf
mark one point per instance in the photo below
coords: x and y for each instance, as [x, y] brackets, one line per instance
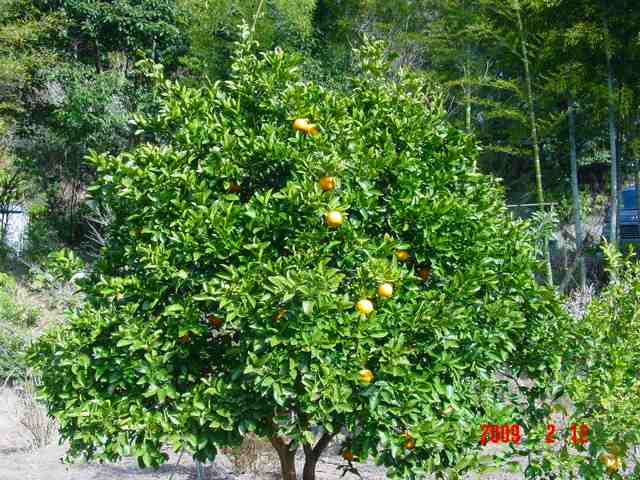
[307, 307]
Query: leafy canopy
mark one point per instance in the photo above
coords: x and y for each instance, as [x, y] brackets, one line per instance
[214, 312]
[150, 26]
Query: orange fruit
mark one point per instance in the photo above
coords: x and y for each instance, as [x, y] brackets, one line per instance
[334, 218]
[424, 273]
[617, 465]
[611, 461]
[409, 441]
[365, 376]
[216, 322]
[348, 455]
[385, 290]
[303, 125]
[402, 255]
[327, 183]
[234, 187]
[364, 306]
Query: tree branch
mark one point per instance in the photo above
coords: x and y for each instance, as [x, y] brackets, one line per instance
[322, 443]
[569, 275]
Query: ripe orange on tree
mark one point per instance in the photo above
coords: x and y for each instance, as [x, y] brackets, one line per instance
[327, 183]
[365, 376]
[385, 290]
[402, 255]
[409, 441]
[348, 455]
[215, 321]
[612, 462]
[334, 218]
[303, 125]
[364, 306]
[424, 273]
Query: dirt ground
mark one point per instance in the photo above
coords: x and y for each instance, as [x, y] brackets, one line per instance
[18, 461]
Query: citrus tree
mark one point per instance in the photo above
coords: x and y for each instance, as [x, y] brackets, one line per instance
[299, 263]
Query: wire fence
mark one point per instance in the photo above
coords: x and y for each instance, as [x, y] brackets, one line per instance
[13, 225]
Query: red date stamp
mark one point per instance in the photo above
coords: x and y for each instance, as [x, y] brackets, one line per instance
[511, 433]
[579, 433]
[500, 433]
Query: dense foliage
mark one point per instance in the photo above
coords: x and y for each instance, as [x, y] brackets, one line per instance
[280, 285]
[218, 239]
[224, 299]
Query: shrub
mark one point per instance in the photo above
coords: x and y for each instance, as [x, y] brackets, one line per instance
[601, 378]
[224, 302]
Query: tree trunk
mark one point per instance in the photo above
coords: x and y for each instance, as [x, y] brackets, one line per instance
[309, 471]
[534, 130]
[255, 18]
[576, 193]
[636, 181]
[468, 101]
[98, 56]
[287, 458]
[467, 94]
[612, 140]
[312, 455]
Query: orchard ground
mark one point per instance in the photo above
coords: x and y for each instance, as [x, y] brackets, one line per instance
[19, 462]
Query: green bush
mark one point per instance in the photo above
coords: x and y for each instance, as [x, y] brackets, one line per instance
[601, 378]
[224, 300]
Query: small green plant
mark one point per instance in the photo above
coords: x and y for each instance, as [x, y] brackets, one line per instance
[16, 321]
[64, 264]
[60, 267]
[10, 310]
[41, 237]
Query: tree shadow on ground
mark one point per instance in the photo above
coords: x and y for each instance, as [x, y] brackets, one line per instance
[123, 471]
